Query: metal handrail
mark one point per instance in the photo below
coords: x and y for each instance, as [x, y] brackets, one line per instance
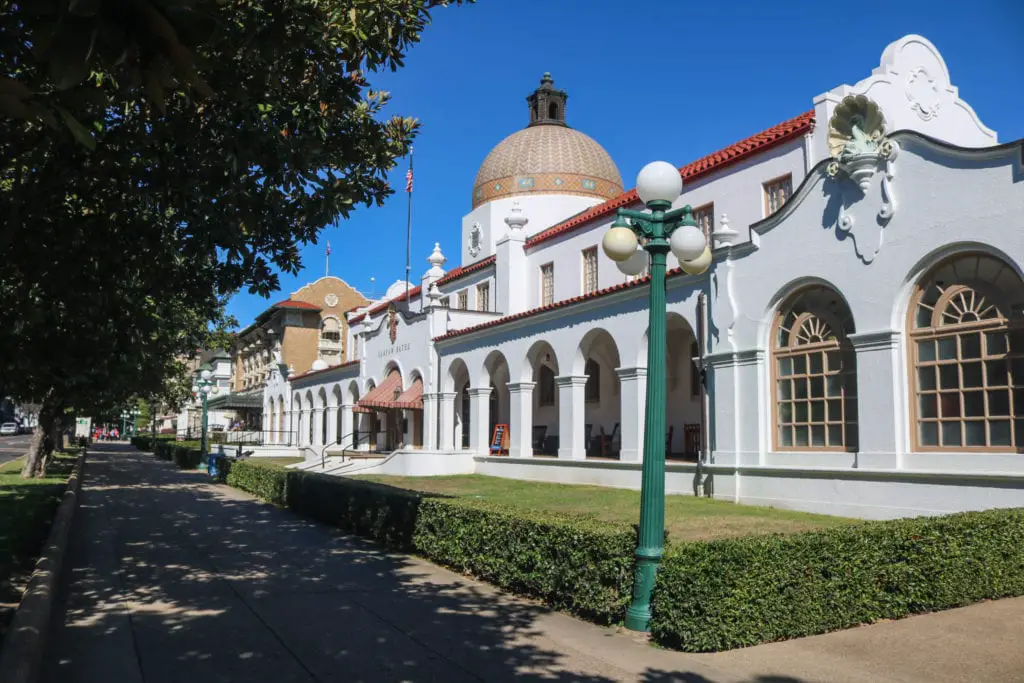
[323, 451]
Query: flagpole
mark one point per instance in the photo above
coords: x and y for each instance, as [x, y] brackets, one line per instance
[408, 230]
[327, 261]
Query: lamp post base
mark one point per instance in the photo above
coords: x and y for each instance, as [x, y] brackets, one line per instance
[638, 616]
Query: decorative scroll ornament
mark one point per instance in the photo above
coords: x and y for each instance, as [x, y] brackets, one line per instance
[474, 240]
[392, 323]
[859, 149]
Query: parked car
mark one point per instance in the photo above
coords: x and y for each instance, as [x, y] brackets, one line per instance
[8, 429]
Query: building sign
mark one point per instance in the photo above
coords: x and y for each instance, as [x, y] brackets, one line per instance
[392, 350]
[499, 440]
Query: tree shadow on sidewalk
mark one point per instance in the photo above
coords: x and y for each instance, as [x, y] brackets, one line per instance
[182, 581]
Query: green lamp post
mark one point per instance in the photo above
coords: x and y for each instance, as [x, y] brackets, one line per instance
[126, 415]
[203, 386]
[659, 230]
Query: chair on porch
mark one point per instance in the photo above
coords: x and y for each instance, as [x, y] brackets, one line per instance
[540, 434]
[611, 444]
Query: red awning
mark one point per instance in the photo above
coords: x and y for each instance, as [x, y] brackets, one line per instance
[383, 395]
[411, 398]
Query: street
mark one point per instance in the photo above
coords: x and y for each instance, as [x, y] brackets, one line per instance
[12, 447]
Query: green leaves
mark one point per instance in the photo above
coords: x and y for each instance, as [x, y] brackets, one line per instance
[571, 563]
[78, 131]
[739, 592]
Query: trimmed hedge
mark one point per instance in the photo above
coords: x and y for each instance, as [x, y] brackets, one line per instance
[185, 454]
[571, 563]
[738, 592]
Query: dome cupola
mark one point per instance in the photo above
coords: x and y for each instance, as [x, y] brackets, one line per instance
[547, 157]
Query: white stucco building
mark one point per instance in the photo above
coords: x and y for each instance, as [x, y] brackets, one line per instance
[859, 330]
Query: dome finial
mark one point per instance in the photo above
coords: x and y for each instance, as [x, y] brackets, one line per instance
[547, 105]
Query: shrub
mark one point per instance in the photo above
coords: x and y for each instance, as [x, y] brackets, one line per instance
[737, 592]
[570, 563]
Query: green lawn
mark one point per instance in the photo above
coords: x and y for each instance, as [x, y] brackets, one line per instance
[687, 518]
[275, 463]
[27, 507]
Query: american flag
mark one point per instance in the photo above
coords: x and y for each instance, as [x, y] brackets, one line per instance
[408, 181]
[328, 247]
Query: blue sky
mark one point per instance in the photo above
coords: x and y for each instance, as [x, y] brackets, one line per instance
[717, 72]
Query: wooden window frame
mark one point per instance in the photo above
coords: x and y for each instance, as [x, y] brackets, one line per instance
[483, 296]
[585, 254]
[462, 299]
[766, 194]
[547, 296]
[446, 302]
[1008, 328]
[838, 348]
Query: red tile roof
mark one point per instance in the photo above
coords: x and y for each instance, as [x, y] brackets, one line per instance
[466, 270]
[302, 305]
[310, 373]
[783, 132]
[383, 306]
[556, 305]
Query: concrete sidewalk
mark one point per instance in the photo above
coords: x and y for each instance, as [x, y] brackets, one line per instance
[171, 578]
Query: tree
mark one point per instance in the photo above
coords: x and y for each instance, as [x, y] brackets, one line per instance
[157, 155]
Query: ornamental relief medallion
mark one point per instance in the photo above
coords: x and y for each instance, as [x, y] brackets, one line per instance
[923, 94]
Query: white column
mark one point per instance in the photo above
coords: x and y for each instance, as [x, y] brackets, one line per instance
[521, 419]
[882, 415]
[479, 419]
[633, 395]
[430, 421]
[347, 425]
[571, 416]
[288, 438]
[447, 420]
[331, 415]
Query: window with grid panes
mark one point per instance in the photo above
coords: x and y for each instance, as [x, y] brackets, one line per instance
[967, 357]
[815, 374]
[445, 302]
[462, 299]
[547, 284]
[590, 270]
[483, 296]
[704, 216]
[776, 192]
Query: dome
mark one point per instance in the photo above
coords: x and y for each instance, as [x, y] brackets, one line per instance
[319, 364]
[547, 157]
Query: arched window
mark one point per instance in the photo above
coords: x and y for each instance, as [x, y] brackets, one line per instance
[546, 386]
[967, 357]
[592, 389]
[814, 373]
[553, 111]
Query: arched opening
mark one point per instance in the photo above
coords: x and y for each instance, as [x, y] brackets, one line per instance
[339, 426]
[368, 421]
[296, 421]
[458, 378]
[413, 398]
[352, 433]
[683, 413]
[322, 416]
[967, 357]
[496, 368]
[309, 405]
[543, 367]
[814, 373]
[602, 408]
[280, 437]
[553, 111]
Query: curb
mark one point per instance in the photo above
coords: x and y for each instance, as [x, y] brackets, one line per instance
[22, 655]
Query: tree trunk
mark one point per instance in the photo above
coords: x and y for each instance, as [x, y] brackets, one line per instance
[35, 460]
